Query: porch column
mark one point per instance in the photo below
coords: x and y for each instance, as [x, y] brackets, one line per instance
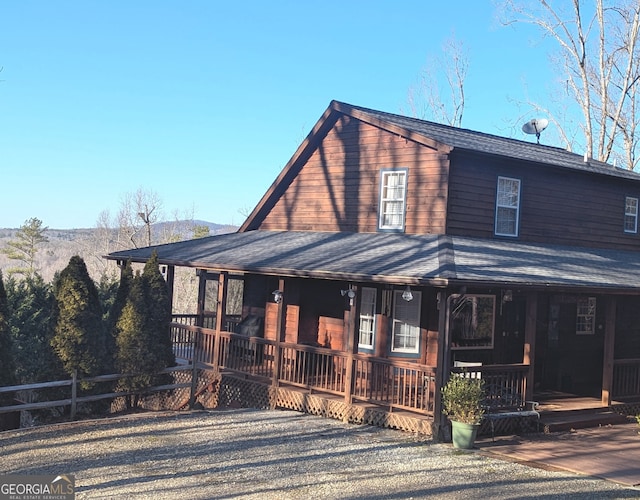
[171, 278]
[442, 366]
[609, 339]
[202, 283]
[280, 326]
[350, 332]
[529, 354]
[221, 308]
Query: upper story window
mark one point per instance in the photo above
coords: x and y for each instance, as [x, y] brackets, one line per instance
[393, 192]
[631, 215]
[367, 330]
[507, 206]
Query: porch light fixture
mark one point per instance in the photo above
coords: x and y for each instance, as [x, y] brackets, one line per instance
[407, 295]
[277, 296]
[349, 293]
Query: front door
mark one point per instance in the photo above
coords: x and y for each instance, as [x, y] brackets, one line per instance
[571, 354]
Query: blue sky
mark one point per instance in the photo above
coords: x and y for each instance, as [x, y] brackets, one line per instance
[204, 102]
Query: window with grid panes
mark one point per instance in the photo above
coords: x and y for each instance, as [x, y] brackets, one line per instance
[631, 215]
[367, 330]
[393, 187]
[406, 323]
[507, 206]
[586, 316]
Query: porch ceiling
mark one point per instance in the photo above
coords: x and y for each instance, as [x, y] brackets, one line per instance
[401, 259]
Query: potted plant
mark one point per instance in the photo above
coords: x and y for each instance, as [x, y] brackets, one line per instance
[462, 398]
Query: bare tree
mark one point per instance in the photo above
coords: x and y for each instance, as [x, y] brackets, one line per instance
[600, 67]
[439, 94]
[138, 213]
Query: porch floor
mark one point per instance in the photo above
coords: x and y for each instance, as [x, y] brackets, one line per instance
[563, 412]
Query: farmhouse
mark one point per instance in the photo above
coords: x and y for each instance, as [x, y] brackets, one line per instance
[391, 251]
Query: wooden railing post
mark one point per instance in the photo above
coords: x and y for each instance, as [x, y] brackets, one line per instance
[194, 384]
[74, 393]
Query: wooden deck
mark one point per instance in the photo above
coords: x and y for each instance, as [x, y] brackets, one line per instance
[610, 452]
[562, 401]
[563, 412]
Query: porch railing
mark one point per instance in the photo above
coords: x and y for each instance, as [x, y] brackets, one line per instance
[208, 321]
[391, 383]
[394, 384]
[626, 378]
[313, 368]
[511, 379]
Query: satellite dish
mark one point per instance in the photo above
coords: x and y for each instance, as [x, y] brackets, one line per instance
[535, 126]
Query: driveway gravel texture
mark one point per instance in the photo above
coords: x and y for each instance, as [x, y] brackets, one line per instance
[263, 454]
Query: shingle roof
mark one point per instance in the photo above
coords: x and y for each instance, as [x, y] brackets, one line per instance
[486, 143]
[402, 259]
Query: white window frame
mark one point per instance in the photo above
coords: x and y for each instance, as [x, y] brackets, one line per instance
[631, 215]
[393, 198]
[586, 316]
[507, 203]
[405, 332]
[367, 331]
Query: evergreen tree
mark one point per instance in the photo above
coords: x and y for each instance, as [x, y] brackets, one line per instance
[159, 311]
[79, 339]
[135, 354]
[7, 365]
[143, 328]
[115, 311]
[25, 247]
[30, 304]
[113, 295]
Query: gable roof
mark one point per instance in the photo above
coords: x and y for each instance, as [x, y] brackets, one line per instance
[430, 134]
[403, 259]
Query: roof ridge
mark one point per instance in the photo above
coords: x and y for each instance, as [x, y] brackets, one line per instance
[453, 128]
[472, 140]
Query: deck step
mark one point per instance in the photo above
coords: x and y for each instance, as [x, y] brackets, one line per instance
[565, 421]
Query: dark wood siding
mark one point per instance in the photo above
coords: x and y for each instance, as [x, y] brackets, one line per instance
[556, 205]
[337, 189]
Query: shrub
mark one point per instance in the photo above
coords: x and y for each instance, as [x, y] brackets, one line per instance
[462, 399]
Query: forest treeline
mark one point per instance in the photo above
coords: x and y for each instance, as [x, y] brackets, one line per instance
[65, 310]
[59, 245]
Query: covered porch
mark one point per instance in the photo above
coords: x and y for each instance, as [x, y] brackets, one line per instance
[351, 324]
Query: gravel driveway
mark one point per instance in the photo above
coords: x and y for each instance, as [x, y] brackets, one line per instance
[260, 454]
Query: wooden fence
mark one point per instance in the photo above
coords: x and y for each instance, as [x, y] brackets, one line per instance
[74, 399]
